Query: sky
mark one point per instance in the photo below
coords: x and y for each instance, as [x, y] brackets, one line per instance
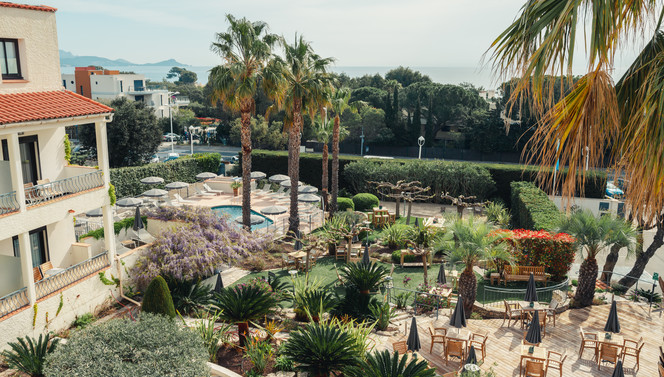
[416, 33]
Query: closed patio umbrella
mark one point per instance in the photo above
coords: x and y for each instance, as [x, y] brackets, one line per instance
[618, 371]
[205, 175]
[413, 342]
[458, 318]
[307, 190]
[308, 198]
[442, 279]
[278, 178]
[152, 180]
[365, 256]
[257, 175]
[219, 285]
[534, 334]
[155, 193]
[129, 202]
[472, 357]
[531, 291]
[274, 210]
[612, 322]
[138, 223]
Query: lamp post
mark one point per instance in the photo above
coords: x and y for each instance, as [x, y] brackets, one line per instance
[191, 139]
[171, 95]
[420, 142]
[362, 142]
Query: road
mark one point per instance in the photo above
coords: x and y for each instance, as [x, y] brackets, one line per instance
[226, 151]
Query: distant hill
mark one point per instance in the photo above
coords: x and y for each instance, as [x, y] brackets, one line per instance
[67, 59]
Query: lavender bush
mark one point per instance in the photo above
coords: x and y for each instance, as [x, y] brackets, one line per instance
[193, 251]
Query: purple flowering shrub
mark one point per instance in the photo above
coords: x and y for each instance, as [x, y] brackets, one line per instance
[193, 251]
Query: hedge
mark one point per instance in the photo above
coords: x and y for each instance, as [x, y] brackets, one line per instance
[532, 208]
[501, 175]
[365, 202]
[127, 180]
[344, 204]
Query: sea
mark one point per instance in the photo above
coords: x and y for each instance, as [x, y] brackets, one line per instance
[479, 77]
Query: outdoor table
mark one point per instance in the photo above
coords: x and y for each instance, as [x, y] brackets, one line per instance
[525, 306]
[130, 244]
[458, 334]
[297, 255]
[616, 340]
[495, 277]
[539, 354]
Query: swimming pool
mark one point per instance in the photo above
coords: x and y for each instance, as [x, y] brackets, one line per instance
[234, 211]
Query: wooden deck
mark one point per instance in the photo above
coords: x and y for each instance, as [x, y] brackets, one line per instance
[503, 343]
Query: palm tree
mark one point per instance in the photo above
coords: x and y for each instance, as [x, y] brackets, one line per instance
[626, 237]
[324, 131]
[305, 82]
[592, 235]
[384, 364]
[467, 241]
[339, 102]
[594, 113]
[246, 48]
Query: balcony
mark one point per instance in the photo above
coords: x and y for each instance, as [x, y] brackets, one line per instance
[70, 275]
[48, 191]
[8, 203]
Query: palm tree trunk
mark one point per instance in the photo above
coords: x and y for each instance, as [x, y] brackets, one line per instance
[643, 257]
[294, 166]
[335, 165]
[426, 269]
[245, 136]
[586, 289]
[410, 205]
[468, 289]
[325, 177]
[396, 215]
[610, 263]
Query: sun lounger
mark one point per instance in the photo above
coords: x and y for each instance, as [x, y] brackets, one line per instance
[210, 190]
[183, 201]
[202, 193]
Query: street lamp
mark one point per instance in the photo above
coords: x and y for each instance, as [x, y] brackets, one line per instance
[191, 138]
[362, 141]
[420, 142]
[170, 113]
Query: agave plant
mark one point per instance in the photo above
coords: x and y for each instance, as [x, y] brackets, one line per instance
[245, 302]
[321, 349]
[365, 277]
[384, 364]
[28, 355]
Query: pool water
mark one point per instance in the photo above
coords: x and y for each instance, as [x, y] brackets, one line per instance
[231, 212]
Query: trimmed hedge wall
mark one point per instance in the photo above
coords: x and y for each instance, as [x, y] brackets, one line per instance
[127, 180]
[502, 175]
[532, 208]
[365, 202]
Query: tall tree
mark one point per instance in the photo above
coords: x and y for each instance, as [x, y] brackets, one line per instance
[246, 49]
[324, 131]
[133, 136]
[541, 41]
[304, 88]
[339, 102]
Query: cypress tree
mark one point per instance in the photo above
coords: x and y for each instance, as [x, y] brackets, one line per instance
[157, 298]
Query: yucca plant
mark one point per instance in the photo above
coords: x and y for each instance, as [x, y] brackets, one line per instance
[365, 277]
[245, 302]
[213, 336]
[28, 355]
[320, 349]
[384, 364]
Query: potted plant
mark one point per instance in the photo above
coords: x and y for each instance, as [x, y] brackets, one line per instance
[236, 187]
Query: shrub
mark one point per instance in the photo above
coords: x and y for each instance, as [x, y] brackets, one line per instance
[188, 296]
[351, 303]
[619, 288]
[402, 299]
[259, 353]
[382, 313]
[83, 321]
[127, 179]
[314, 302]
[283, 363]
[408, 258]
[575, 282]
[117, 227]
[540, 248]
[213, 335]
[152, 346]
[365, 277]
[344, 204]
[320, 349]
[157, 298]
[365, 202]
[396, 235]
[384, 364]
[28, 355]
[497, 214]
[532, 208]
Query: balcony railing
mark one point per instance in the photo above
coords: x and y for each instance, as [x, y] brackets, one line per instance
[48, 191]
[8, 203]
[71, 275]
[13, 301]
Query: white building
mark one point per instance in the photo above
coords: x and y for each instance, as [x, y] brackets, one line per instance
[46, 277]
[106, 85]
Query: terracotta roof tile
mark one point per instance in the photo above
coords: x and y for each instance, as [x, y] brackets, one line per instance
[26, 107]
[43, 8]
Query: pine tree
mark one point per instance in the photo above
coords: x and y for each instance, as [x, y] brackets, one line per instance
[429, 127]
[417, 130]
[157, 299]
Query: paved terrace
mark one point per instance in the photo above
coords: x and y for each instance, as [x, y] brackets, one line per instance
[503, 344]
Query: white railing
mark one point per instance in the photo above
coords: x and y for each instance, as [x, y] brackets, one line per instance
[8, 203]
[13, 301]
[71, 275]
[48, 191]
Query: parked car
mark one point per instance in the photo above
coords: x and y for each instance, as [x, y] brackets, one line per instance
[172, 156]
[171, 137]
[154, 159]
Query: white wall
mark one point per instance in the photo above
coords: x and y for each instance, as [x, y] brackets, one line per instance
[5, 178]
[591, 204]
[38, 49]
[70, 81]
[7, 247]
[60, 238]
[11, 278]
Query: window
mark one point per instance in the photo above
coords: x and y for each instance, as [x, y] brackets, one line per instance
[72, 82]
[38, 246]
[10, 65]
[120, 86]
[64, 83]
[82, 90]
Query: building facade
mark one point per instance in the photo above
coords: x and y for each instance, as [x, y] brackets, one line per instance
[46, 277]
[105, 85]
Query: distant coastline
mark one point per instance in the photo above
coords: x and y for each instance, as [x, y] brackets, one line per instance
[443, 75]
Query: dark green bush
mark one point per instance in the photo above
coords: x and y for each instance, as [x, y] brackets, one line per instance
[127, 179]
[408, 258]
[532, 208]
[345, 203]
[28, 355]
[157, 299]
[117, 227]
[365, 202]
